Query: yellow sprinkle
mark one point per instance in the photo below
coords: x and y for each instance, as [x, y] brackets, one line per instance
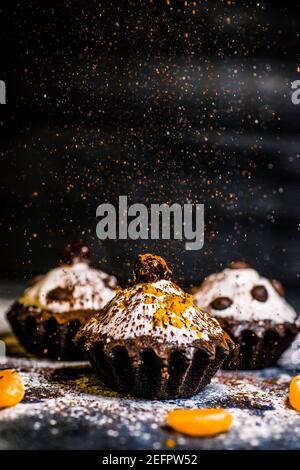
[148, 289]
[160, 312]
[176, 322]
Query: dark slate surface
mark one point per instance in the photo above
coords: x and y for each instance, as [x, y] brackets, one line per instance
[67, 408]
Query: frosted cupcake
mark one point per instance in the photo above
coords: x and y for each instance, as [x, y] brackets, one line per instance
[52, 309]
[253, 311]
[151, 340]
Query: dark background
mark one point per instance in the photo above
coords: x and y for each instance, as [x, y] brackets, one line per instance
[160, 101]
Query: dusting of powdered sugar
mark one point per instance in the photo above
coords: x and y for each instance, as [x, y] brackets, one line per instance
[236, 285]
[66, 407]
[159, 309]
[89, 289]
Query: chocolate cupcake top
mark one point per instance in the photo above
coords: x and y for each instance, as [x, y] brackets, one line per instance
[72, 286]
[239, 292]
[154, 307]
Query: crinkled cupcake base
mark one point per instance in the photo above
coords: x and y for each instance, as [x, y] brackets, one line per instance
[259, 344]
[47, 334]
[142, 367]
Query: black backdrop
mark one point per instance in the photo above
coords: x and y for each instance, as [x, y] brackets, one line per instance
[160, 101]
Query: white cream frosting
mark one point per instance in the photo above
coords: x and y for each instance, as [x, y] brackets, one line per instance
[236, 284]
[150, 309]
[90, 289]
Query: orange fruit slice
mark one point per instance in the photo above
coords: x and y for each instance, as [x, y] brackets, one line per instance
[11, 388]
[295, 393]
[200, 422]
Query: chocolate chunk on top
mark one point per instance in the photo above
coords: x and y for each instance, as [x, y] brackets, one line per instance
[151, 268]
[239, 265]
[221, 303]
[76, 252]
[259, 293]
[278, 287]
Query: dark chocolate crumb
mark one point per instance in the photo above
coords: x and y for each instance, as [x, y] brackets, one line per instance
[60, 294]
[259, 293]
[221, 303]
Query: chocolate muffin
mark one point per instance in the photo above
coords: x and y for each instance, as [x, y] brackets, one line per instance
[253, 311]
[52, 309]
[150, 341]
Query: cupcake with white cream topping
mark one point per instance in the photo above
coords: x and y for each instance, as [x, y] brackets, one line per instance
[52, 309]
[151, 341]
[253, 311]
